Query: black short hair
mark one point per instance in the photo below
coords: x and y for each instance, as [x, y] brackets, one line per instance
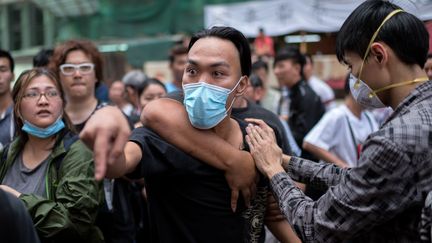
[404, 33]
[291, 53]
[256, 81]
[176, 51]
[7, 55]
[42, 58]
[233, 35]
[258, 65]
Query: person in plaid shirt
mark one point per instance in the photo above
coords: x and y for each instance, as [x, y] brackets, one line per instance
[380, 201]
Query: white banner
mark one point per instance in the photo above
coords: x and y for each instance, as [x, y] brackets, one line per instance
[280, 17]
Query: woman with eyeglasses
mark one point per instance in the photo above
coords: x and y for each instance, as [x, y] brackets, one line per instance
[46, 166]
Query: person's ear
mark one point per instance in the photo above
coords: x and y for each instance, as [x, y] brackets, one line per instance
[379, 52]
[241, 88]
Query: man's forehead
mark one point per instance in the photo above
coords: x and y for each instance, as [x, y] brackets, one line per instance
[214, 51]
[4, 62]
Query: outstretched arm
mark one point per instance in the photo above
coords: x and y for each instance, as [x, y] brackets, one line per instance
[106, 133]
[169, 119]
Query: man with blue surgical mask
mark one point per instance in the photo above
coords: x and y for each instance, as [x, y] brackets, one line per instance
[381, 200]
[190, 198]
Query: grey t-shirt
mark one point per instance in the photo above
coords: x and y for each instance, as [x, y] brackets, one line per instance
[25, 180]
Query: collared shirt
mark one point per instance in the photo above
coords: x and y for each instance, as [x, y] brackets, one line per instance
[379, 201]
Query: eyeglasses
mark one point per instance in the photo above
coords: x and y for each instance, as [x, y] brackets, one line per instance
[36, 95]
[70, 69]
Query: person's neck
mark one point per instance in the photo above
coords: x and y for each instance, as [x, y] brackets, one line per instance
[294, 81]
[240, 102]
[79, 110]
[353, 106]
[178, 84]
[229, 129]
[121, 103]
[5, 101]
[40, 143]
[226, 130]
[402, 73]
[36, 150]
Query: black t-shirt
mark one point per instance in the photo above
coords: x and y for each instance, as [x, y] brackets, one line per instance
[255, 111]
[189, 201]
[306, 110]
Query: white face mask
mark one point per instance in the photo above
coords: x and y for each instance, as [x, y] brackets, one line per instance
[363, 94]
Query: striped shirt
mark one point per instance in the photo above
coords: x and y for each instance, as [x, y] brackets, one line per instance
[380, 201]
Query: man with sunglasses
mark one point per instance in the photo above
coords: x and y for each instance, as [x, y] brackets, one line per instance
[385, 49]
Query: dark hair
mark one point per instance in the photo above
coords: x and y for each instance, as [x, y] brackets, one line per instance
[7, 55]
[233, 35]
[147, 83]
[293, 54]
[258, 65]
[42, 58]
[347, 85]
[255, 81]
[61, 52]
[18, 94]
[404, 33]
[176, 51]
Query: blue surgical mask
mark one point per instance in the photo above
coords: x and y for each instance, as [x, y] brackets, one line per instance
[206, 103]
[43, 132]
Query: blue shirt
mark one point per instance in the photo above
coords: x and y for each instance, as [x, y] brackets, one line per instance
[171, 87]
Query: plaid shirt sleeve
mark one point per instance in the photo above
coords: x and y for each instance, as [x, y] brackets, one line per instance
[426, 220]
[319, 175]
[359, 199]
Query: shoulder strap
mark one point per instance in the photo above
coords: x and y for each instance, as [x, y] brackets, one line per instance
[69, 139]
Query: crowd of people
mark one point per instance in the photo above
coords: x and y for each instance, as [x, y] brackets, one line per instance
[217, 154]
